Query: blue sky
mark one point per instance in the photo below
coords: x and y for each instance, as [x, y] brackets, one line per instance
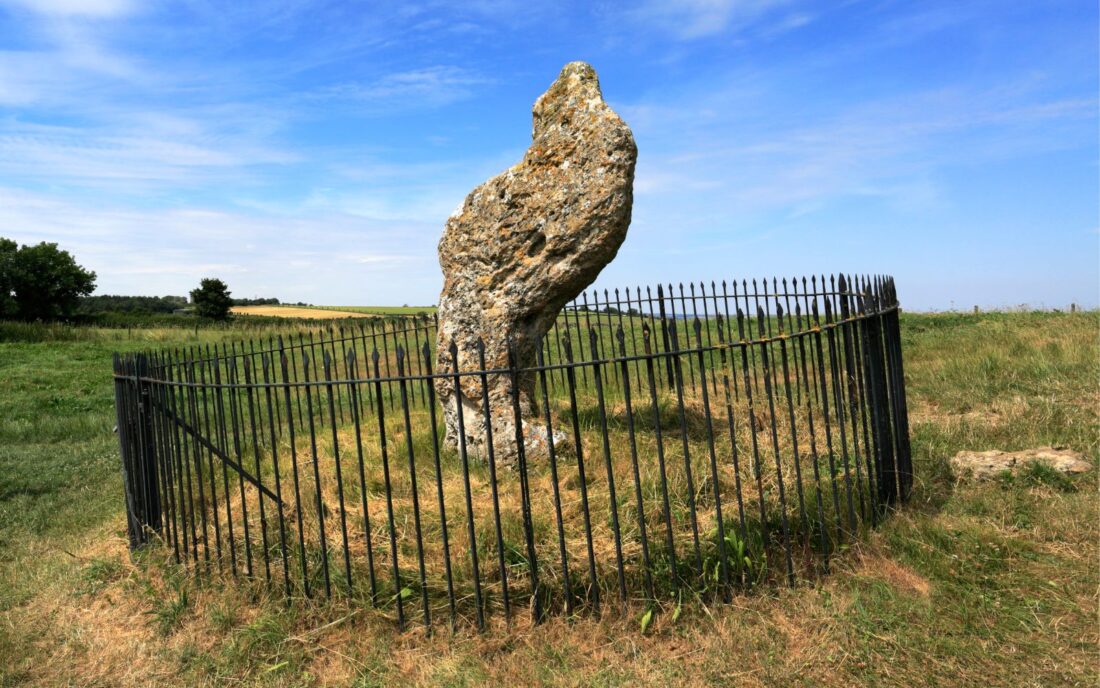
[312, 151]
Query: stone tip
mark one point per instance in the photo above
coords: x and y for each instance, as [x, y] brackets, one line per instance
[577, 86]
[576, 76]
[579, 69]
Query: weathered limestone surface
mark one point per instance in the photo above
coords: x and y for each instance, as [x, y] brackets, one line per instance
[525, 243]
[983, 465]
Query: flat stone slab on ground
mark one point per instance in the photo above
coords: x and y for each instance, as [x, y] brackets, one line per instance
[982, 465]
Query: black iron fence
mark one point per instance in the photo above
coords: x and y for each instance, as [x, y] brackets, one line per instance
[699, 441]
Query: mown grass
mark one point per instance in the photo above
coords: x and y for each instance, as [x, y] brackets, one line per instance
[991, 584]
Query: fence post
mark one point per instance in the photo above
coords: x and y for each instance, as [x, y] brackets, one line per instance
[150, 487]
[886, 468]
[899, 407]
[123, 414]
[664, 332]
[524, 485]
[139, 460]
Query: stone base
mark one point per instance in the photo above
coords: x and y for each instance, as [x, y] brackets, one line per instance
[536, 439]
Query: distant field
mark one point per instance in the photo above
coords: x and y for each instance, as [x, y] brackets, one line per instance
[300, 312]
[327, 312]
[380, 310]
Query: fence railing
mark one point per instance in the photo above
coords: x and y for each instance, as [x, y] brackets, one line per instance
[698, 441]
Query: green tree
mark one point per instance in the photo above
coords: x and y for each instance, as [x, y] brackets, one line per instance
[8, 251]
[40, 282]
[212, 299]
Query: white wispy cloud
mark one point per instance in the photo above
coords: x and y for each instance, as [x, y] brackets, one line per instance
[316, 256]
[305, 150]
[74, 8]
[174, 152]
[426, 87]
[688, 19]
[384, 259]
[886, 147]
[69, 64]
[139, 126]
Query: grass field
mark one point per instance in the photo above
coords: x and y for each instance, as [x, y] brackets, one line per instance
[990, 584]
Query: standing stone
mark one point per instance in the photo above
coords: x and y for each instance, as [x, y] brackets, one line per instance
[522, 245]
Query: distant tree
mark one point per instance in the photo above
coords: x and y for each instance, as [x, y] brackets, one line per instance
[212, 299]
[8, 252]
[110, 303]
[40, 282]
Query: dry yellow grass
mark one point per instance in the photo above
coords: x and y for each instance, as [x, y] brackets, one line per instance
[297, 312]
